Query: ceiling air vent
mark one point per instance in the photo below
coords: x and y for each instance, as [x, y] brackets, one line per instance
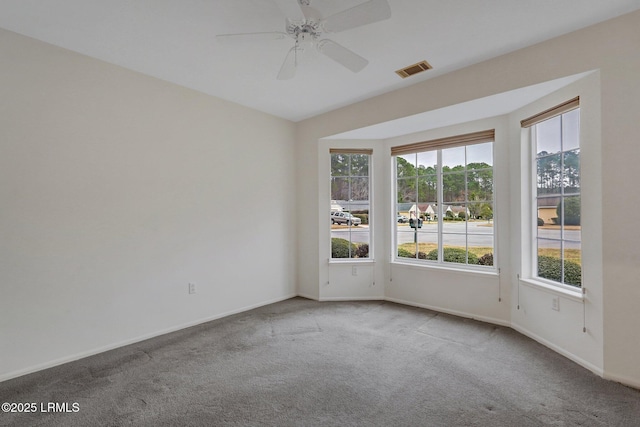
[414, 69]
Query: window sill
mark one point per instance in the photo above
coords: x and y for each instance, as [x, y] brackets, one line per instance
[576, 295]
[351, 261]
[491, 273]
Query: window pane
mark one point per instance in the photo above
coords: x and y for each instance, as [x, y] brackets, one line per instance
[403, 211]
[572, 267]
[481, 248]
[480, 156]
[360, 237]
[453, 187]
[405, 165]
[480, 185]
[549, 136]
[359, 189]
[549, 260]
[451, 226]
[428, 189]
[359, 165]
[571, 172]
[572, 234]
[402, 220]
[571, 211]
[571, 130]
[428, 243]
[427, 162]
[547, 212]
[482, 213]
[406, 245]
[455, 248]
[340, 188]
[453, 158]
[549, 174]
[427, 211]
[339, 164]
[340, 245]
[459, 211]
[406, 189]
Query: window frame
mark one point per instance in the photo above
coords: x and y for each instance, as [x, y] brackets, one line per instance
[352, 151]
[530, 124]
[438, 146]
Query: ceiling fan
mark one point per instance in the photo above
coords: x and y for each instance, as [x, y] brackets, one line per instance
[308, 31]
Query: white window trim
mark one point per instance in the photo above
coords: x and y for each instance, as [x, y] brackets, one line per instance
[531, 278]
[440, 264]
[371, 259]
[555, 288]
[528, 246]
[431, 265]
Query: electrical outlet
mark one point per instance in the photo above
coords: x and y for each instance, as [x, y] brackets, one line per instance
[354, 271]
[192, 288]
[555, 303]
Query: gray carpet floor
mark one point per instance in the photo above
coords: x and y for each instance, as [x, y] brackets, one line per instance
[304, 363]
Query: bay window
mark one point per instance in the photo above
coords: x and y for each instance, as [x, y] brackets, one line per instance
[444, 201]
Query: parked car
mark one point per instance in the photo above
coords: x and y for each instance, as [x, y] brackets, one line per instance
[344, 218]
[402, 219]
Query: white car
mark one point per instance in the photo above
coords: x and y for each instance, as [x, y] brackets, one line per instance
[344, 218]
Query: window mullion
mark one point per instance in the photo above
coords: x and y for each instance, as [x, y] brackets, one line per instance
[417, 196]
[440, 206]
[349, 205]
[466, 203]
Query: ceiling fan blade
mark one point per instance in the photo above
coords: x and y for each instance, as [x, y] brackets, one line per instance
[290, 9]
[288, 68]
[310, 14]
[342, 55]
[363, 14]
[250, 36]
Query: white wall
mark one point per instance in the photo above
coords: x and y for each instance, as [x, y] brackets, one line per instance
[613, 48]
[117, 190]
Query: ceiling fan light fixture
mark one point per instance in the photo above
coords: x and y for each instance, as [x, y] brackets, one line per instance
[414, 69]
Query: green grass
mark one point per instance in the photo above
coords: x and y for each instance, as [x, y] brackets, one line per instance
[428, 247]
[574, 255]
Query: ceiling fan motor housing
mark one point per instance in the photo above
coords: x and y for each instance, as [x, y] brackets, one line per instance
[305, 31]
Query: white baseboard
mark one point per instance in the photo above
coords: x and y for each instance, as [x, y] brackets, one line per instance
[487, 319]
[622, 380]
[92, 352]
[580, 361]
[351, 299]
[595, 369]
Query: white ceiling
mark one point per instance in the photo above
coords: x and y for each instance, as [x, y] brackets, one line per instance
[174, 40]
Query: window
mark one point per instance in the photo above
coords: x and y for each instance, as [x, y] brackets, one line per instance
[350, 204]
[444, 201]
[556, 202]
